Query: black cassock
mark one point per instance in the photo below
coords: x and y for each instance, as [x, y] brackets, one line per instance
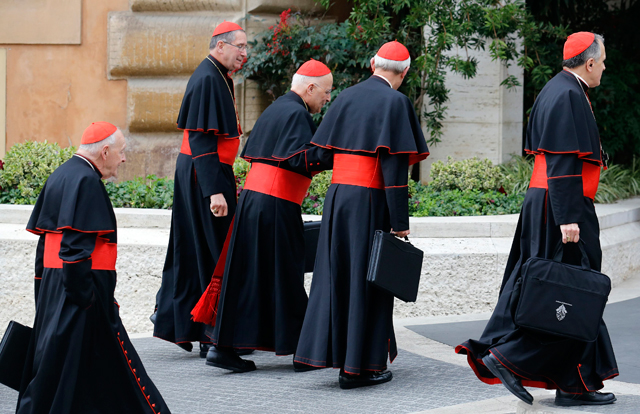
[204, 167]
[372, 134]
[262, 299]
[563, 135]
[80, 359]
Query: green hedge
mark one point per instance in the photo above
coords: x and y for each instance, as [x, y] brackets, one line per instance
[459, 188]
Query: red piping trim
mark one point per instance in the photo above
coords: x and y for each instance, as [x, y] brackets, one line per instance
[133, 371]
[425, 154]
[202, 155]
[563, 176]
[397, 186]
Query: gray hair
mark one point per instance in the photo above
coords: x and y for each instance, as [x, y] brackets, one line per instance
[224, 37]
[301, 80]
[592, 51]
[395, 66]
[96, 147]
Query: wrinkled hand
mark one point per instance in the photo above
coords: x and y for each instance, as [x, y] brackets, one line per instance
[570, 233]
[218, 205]
[401, 234]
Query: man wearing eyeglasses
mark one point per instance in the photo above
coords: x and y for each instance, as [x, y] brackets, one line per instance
[204, 198]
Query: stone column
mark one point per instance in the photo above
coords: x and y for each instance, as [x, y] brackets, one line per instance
[483, 119]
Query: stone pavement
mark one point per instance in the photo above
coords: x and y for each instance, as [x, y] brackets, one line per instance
[428, 376]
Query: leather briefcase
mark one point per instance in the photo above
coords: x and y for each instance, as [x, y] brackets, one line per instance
[13, 354]
[561, 299]
[311, 234]
[395, 266]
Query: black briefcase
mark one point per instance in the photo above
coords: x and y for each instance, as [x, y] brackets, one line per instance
[311, 234]
[395, 266]
[13, 354]
[562, 299]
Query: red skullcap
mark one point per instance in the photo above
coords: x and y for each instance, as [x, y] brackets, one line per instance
[96, 132]
[226, 27]
[313, 68]
[577, 43]
[393, 51]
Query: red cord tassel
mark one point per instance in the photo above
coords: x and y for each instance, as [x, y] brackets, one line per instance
[206, 310]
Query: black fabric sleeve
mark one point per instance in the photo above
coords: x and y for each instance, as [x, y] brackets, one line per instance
[311, 159]
[75, 251]
[209, 175]
[564, 172]
[39, 266]
[395, 170]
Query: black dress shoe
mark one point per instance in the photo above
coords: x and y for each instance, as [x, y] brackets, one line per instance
[204, 348]
[300, 367]
[348, 381]
[510, 382]
[226, 358]
[187, 346]
[243, 351]
[565, 399]
[152, 318]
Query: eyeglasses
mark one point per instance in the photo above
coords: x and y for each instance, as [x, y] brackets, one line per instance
[326, 91]
[240, 48]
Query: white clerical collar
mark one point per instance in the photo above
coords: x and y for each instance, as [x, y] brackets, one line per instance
[578, 77]
[86, 160]
[380, 76]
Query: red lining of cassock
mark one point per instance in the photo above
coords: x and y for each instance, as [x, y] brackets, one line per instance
[227, 147]
[277, 182]
[590, 176]
[357, 170]
[103, 257]
[414, 157]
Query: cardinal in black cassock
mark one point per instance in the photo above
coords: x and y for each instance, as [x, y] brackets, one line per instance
[260, 302]
[558, 208]
[204, 198]
[372, 134]
[80, 359]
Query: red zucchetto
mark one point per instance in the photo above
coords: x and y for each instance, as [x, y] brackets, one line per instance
[577, 43]
[97, 131]
[226, 27]
[393, 51]
[313, 68]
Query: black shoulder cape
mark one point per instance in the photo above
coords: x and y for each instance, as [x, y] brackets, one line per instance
[281, 131]
[73, 198]
[371, 115]
[561, 120]
[207, 104]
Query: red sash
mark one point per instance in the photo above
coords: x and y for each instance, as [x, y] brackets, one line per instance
[103, 257]
[227, 148]
[590, 176]
[357, 170]
[277, 182]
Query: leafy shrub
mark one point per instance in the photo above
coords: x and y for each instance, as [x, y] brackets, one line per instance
[517, 174]
[618, 183]
[142, 192]
[470, 174]
[26, 168]
[427, 201]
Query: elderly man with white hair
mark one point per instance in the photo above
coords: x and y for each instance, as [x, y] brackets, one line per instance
[80, 359]
[372, 134]
[257, 299]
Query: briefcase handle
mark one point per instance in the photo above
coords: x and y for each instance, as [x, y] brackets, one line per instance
[584, 260]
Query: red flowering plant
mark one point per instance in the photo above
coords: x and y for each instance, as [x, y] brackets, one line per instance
[295, 38]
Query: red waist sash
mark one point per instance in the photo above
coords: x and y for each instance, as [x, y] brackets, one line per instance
[277, 182]
[227, 148]
[103, 256]
[590, 176]
[357, 170]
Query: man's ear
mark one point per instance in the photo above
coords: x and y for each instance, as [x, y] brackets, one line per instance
[310, 88]
[589, 64]
[404, 72]
[373, 64]
[104, 152]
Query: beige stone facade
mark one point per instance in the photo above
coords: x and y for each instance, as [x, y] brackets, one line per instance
[53, 91]
[134, 58]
